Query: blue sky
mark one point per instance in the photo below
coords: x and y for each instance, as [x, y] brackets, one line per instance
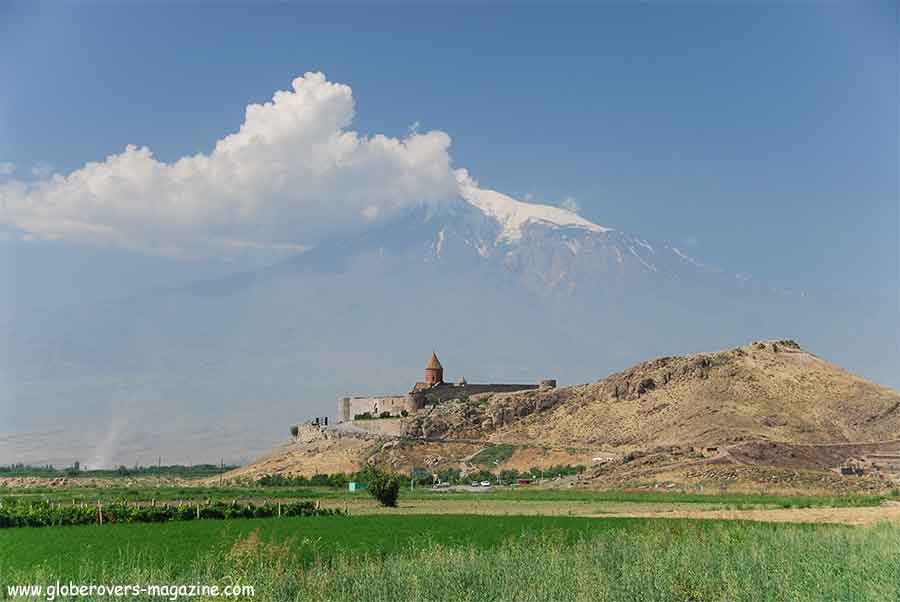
[760, 137]
[764, 136]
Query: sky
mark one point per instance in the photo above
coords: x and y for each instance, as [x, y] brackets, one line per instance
[725, 128]
[148, 144]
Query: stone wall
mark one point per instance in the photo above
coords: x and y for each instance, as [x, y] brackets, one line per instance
[389, 427]
[449, 391]
[307, 432]
[349, 407]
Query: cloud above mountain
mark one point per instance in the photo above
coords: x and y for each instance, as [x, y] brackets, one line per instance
[293, 174]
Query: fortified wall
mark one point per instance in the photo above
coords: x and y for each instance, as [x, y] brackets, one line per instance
[432, 390]
[350, 407]
[447, 391]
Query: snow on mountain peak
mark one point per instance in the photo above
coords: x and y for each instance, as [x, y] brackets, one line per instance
[513, 215]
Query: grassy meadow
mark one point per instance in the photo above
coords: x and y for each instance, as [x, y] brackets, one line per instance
[521, 551]
[444, 558]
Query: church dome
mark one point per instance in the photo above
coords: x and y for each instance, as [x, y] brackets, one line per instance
[434, 363]
[434, 372]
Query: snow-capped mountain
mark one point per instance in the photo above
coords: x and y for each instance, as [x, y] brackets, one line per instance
[513, 216]
[505, 290]
[547, 250]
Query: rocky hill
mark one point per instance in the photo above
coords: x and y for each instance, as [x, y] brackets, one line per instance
[764, 415]
[771, 390]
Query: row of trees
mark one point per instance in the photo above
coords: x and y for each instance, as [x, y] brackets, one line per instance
[176, 470]
[454, 476]
[44, 514]
[338, 480]
[422, 477]
[46, 470]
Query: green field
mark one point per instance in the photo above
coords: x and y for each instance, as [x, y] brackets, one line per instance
[444, 558]
[174, 545]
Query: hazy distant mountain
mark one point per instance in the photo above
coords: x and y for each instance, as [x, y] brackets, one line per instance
[504, 290]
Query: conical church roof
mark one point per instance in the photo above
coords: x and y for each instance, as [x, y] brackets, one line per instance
[434, 363]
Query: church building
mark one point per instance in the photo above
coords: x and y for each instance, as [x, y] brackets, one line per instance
[430, 391]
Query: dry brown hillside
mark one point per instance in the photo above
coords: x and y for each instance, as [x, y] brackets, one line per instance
[760, 406]
[771, 390]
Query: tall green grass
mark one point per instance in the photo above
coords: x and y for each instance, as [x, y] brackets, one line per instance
[622, 561]
[665, 565]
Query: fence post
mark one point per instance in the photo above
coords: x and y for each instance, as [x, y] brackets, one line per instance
[279, 509]
[99, 512]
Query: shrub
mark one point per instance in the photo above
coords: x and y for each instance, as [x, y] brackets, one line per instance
[481, 475]
[384, 415]
[510, 475]
[384, 487]
[294, 430]
[321, 480]
[449, 475]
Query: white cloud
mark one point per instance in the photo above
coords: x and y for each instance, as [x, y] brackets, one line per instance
[569, 204]
[42, 171]
[290, 176]
[7, 168]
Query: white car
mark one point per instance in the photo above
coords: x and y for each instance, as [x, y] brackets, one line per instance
[485, 483]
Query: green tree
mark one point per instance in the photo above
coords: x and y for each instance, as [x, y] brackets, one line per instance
[383, 486]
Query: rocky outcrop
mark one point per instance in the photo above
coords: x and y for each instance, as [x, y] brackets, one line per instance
[635, 382]
[477, 418]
